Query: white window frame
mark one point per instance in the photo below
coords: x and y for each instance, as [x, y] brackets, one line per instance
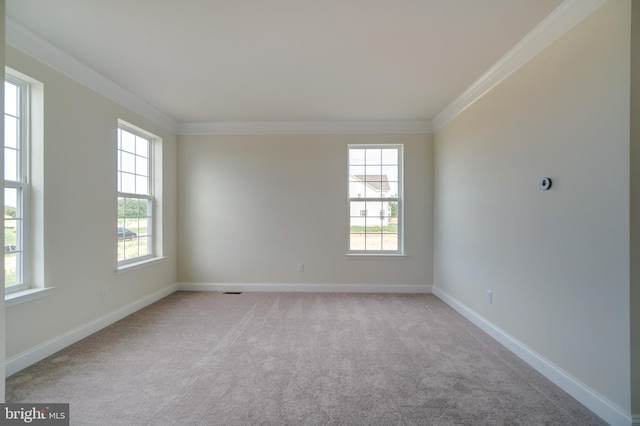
[399, 199]
[149, 197]
[22, 185]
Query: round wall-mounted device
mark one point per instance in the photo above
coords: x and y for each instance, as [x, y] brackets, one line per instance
[545, 183]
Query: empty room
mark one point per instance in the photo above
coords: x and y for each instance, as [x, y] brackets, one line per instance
[368, 212]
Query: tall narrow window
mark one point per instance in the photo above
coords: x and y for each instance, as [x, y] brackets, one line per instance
[135, 195]
[16, 182]
[375, 199]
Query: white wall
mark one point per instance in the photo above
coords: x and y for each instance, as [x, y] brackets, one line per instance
[80, 213]
[558, 260]
[251, 207]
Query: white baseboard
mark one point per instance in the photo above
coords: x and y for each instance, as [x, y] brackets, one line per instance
[604, 408]
[308, 288]
[51, 346]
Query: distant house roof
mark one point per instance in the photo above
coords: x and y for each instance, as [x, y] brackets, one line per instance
[378, 182]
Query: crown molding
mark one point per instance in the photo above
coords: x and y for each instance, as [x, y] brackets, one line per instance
[306, 127]
[566, 16]
[31, 44]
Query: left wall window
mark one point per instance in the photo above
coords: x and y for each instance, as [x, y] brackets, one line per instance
[135, 195]
[16, 183]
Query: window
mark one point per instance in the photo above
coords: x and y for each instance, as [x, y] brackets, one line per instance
[375, 199]
[135, 227]
[16, 183]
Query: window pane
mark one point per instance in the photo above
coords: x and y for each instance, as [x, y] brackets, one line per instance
[390, 173]
[128, 162]
[373, 242]
[11, 131]
[121, 250]
[374, 224]
[373, 156]
[357, 242]
[11, 164]
[357, 223]
[11, 94]
[390, 242]
[357, 188]
[128, 182]
[12, 237]
[393, 190]
[143, 227]
[11, 203]
[142, 146]
[373, 190]
[390, 156]
[128, 141]
[142, 185]
[372, 172]
[144, 246]
[356, 156]
[11, 261]
[356, 173]
[142, 166]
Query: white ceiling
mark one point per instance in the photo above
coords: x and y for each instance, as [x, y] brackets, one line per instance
[204, 61]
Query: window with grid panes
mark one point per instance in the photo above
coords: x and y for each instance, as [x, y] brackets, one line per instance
[135, 196]
[375, 199]
[16, 182]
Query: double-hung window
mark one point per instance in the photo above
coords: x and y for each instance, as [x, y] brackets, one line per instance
[375, 199]
[16, 183]
[135, 228]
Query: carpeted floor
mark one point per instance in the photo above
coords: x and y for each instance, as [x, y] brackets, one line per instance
[295, 359]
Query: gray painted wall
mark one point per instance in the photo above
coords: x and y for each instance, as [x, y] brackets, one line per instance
[557, 261]
[251, 207]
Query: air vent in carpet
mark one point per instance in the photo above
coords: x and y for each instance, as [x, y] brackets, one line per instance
[232, 292]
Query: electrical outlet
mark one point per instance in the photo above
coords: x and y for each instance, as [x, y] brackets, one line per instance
[488, 296]
[104, 292]
[300, 267]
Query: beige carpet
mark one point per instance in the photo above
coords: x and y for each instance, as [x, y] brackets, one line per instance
[295, 359]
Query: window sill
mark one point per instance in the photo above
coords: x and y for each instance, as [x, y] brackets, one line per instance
[138, 265]
[376, 256]
[23, 296]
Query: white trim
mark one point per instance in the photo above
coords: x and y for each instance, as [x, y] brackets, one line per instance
[375, 256]
[18, 297]
[604, 408]
[307, 288]
[306, 127]
[566, 16]
[133, 266]
[31, 44]
[51, 346]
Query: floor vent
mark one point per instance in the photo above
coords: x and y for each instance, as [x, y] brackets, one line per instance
[232, 292]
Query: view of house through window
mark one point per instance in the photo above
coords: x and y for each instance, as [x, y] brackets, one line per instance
[375, 200]
[16, 182]
[135, 196]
